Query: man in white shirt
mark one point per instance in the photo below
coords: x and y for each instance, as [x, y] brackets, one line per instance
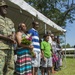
[50, 39]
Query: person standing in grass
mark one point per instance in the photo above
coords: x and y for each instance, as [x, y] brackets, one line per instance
[23, 63]
[54, 52]
[36, 44]
[50, 41]
[46, 55]
[6, 41]
[59, 53]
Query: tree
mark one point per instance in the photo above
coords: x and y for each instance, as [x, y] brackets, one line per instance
[67, 45]
[59, 11]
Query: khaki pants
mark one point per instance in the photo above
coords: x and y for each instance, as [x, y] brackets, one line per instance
[6, 62]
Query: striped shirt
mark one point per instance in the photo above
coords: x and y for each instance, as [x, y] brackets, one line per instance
[35, 39]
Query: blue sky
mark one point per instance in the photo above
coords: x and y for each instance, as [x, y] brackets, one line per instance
[70, 34]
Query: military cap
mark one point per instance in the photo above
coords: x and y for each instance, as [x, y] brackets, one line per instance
[3, 3]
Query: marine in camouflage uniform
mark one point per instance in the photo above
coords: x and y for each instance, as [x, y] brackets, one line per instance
[6, 48]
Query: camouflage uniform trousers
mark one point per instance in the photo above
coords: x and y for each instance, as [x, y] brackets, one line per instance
[6, 62]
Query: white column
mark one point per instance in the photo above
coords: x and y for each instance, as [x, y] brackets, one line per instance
[45, 29]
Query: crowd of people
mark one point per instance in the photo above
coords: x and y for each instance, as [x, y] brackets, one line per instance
[44, 54]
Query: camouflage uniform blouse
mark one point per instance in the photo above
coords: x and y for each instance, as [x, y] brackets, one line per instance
[6, 26]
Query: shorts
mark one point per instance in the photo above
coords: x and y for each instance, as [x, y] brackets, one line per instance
[47, 63]
[36, 61]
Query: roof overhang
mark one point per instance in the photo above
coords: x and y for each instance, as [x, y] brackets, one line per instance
[19, 11]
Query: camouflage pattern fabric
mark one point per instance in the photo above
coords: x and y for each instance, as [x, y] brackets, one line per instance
[6, 49]
[6, 62]
[6, 27]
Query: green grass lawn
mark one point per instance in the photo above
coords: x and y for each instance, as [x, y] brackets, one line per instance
[68, 67]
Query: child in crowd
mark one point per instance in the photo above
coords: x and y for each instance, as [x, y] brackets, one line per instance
[46, 55]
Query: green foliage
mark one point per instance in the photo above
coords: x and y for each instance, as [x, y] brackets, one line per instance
[57, 10]
[25, 41]
[67, 45]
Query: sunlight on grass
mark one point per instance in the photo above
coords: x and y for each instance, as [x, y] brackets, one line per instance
[69, 69]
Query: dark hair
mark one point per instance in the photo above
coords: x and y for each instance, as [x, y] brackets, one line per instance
[45, 36]
[19, 26]
[35, 23]
[48, 32]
